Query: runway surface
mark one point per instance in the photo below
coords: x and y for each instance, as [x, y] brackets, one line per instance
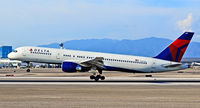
[108, 81]
[51, 88]
[113, 92]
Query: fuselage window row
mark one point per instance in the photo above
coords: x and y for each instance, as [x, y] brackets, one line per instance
[106, 59]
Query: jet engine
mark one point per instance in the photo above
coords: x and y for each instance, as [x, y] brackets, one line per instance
[73, 67]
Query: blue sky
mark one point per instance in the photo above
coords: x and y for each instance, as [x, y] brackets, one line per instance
[36, 22]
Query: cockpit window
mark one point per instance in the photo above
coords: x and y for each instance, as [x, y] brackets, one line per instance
[15, 51]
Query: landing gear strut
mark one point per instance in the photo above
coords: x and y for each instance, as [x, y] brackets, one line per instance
[28, 66]
[97, 77]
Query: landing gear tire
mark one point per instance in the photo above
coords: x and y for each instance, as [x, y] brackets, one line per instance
[102, 77]
[92, 77]
[96, 78]
[28, 70]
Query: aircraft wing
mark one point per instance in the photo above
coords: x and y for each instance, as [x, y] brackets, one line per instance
[96, 62]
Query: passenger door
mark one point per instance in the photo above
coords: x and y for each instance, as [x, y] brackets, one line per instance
[58, 56]
[24, 52]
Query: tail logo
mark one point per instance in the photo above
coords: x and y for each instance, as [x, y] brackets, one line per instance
[177, 49]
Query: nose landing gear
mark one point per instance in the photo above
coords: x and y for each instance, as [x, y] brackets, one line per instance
[28, 70]
[28, 66]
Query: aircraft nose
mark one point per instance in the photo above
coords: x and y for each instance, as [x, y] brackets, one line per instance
[11, 56]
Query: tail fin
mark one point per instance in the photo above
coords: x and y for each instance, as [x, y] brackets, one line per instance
[174, 52]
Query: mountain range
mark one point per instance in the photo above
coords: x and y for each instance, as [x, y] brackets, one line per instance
[149, 47]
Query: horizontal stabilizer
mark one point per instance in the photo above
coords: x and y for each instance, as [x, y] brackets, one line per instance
[171, 65]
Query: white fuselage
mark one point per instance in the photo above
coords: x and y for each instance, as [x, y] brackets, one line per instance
[117, 61]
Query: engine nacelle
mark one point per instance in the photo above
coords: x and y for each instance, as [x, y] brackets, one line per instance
[73, 67]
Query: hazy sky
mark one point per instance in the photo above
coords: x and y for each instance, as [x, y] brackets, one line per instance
[36, 22]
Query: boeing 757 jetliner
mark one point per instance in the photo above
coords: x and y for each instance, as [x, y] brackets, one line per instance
[83, 61]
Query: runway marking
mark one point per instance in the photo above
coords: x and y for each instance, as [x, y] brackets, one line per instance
[107, 78]
[108, 81]
[90, 83]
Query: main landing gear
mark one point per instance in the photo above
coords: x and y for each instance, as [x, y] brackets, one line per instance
[97, 77]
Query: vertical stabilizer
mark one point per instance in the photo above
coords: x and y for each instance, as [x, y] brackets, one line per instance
[175, 51]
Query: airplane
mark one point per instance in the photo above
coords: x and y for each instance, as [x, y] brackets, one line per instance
[84, 61]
